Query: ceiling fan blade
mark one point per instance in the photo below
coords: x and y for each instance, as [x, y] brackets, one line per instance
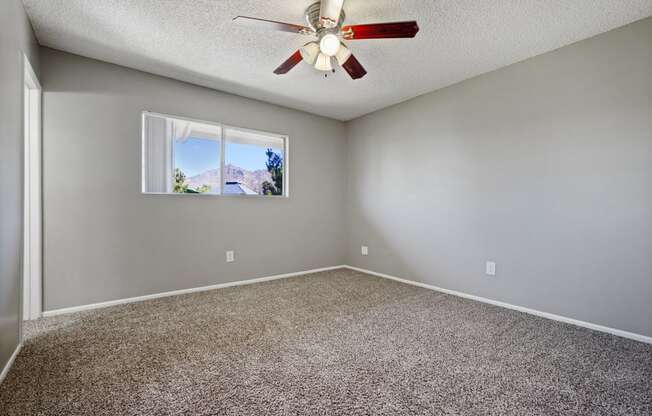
[291, 62]
[381, 30]
[257, 23]
[329, 14]
[354, 68]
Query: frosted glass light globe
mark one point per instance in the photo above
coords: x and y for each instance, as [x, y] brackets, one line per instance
[323, 63]
[329, 44]
[309, 52]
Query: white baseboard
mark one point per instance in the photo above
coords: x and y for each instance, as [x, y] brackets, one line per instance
[10, 362]
[106, 304]
[595, 327]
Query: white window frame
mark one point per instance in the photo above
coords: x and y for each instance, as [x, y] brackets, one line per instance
[223, 127]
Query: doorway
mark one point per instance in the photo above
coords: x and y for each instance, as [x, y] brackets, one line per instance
[32, 194]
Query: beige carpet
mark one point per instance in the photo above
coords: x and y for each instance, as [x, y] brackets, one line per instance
[332, 343]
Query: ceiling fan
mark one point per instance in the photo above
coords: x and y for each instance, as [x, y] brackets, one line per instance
[325, 21]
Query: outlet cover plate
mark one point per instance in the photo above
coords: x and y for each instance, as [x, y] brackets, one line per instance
[490, 268]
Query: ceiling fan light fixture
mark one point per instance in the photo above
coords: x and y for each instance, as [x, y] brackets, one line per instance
[325, 20]
[309, 52]
[343, 55]
[329, 44]
[323, 63]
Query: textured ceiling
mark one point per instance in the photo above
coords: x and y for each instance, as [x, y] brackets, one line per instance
[196, 41]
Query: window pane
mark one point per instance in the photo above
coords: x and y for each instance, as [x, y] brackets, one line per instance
[196, 166]
[180, 156]
[188, 157]
[254, 163]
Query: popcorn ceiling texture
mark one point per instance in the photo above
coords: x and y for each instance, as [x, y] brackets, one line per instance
[332, 343]
[196, 41]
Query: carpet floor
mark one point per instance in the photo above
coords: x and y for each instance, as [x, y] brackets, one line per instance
[331, 343]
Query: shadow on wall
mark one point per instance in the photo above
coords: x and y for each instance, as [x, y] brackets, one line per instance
[387, 253]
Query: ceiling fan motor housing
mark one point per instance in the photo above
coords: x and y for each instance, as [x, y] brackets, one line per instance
[312, 17]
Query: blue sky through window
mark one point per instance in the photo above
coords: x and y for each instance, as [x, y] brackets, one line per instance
[246, 156]
[195, 156]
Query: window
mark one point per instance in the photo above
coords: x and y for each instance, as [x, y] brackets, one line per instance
[182, 156]
[253, 162]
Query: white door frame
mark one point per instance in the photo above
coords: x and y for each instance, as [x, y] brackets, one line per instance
[32, 231]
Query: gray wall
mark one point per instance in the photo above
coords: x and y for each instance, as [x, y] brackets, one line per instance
[16, 38]
[105, 240]
[544, 167]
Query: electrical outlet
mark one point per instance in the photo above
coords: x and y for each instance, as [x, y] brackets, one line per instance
[364, 250]
[230, 256]
[490, 268]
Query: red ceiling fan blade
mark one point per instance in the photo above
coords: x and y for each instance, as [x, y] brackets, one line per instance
[271, 24]
[286, 66]
[354, 68]
[381, 30]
